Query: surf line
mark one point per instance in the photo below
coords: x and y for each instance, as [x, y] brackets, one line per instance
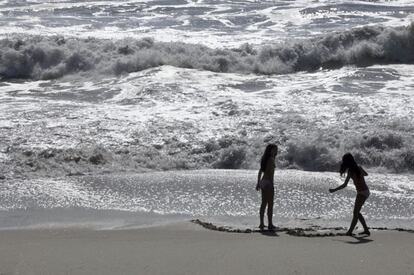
[297, 231]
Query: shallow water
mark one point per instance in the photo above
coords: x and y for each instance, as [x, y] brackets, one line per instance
[221, 196]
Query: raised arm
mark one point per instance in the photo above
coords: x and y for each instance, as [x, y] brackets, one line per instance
[342, 186]
[259, 177]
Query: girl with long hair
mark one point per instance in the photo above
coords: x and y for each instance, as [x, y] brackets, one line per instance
[357, 174]
[265, 183]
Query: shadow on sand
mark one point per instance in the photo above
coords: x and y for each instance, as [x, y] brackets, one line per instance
[269, 233]
[357, 240]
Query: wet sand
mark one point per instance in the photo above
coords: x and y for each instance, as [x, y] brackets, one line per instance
[187, 248]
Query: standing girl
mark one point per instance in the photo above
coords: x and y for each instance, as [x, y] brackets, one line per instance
[357, 174]
[265, 183]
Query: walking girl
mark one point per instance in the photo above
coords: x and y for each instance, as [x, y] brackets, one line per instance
[357, 174]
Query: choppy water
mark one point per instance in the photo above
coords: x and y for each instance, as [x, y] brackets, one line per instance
[93, 87]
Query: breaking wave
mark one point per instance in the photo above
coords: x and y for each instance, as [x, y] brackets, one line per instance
[39, 57]
[380, 151]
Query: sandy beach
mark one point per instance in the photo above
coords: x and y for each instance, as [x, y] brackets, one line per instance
[157, 136]
[186, 248]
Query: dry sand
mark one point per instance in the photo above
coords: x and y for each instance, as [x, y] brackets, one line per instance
[187, 248]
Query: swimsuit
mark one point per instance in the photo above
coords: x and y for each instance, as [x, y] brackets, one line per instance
[265, 184]
[364, 193]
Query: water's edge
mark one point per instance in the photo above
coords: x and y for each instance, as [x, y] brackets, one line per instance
[314, 231]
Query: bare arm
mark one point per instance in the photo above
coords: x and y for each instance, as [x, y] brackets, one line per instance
[342, 186]
[259, 177]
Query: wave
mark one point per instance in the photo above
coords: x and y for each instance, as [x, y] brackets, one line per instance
[383, 151]
[45, 57]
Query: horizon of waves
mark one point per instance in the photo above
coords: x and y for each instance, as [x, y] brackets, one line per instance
[52, 57]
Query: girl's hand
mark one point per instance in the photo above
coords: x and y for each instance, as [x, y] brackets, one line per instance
[257, 187]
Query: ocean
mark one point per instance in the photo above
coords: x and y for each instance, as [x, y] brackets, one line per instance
[116, 114]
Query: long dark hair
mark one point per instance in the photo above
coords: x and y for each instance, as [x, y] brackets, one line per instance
[266, 155]
[349, 164]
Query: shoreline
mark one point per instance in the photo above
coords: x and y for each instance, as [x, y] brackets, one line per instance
[188, 248]
[312, 231]
[307, 230]
[221, 197]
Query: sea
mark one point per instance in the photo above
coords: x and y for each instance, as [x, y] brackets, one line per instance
[123, 114]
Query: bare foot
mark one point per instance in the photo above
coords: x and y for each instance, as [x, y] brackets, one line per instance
[271, 227]
[262, 226]
[349, 234]
[365, 232]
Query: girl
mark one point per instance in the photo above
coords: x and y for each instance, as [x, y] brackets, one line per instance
[357, 174]
[265, 183]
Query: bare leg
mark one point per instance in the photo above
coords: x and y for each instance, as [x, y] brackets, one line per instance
[262, 209]
[359, 202]
[270, 208]
[364, 224]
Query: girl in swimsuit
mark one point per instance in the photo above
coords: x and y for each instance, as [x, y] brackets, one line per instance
[357, 174]
[265, 184]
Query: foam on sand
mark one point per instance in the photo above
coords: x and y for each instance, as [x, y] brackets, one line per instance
[314, 231]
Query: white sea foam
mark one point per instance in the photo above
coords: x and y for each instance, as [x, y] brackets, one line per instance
[174, 118]
[226, 23]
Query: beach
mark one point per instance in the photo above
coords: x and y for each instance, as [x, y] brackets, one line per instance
[132, 133]
[187, 248]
